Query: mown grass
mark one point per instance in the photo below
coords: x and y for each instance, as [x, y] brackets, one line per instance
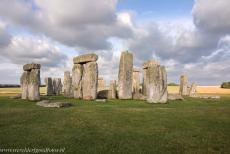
[118, 126]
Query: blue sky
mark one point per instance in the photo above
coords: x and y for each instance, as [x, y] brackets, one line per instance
[158, 8]
[196, 44]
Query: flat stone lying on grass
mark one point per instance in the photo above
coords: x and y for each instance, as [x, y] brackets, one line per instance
[15, 97]
[47, 103]
[175, 97]
[139, 96]
[207, 97]
[100, 100]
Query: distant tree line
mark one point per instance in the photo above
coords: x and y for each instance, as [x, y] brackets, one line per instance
[9, 85]
[172, 84]
[13, 86]
[225, 85]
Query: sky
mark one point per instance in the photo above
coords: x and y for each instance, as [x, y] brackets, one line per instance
[189, 37]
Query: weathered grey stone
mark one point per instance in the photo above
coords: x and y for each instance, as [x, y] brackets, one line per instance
[30, 82]
[15, 97]
[145, 66]
[77, 73]
[112, 89]
[89, 81]
[82, 59]
[139, 96]
[175, 97]
[101, 84]
[150, 63]
[207, 97]
[49, 86]
[49, 104]
[100, 100]
[136, 81]
[68, 89]
[183, 85]
[57, 84]
[29, 67]
[156, 84]
[34, 84]
[192, 90]
[24, 84]
[125, 76]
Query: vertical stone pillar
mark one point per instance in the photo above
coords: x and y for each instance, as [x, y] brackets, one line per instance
[136, 81]
[30, 82]
[85, 76]
[193, 90]
[57, 85]
[125, 76]
[146, 65]
[77, 72]
[49, 86]
[101, 84]
[67, 84]
[183, 85]
[112, 89]
[156, 82]
[89, 81]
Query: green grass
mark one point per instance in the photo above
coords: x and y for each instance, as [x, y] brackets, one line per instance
[191, 126]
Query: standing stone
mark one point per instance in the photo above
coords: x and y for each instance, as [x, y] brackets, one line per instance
[30, 82]
[125, 76]
[34, 84]
[89, 81]
[101, 84]
[192, 90]
[67, 84]
[146, 65]
[183, 85]
[136, 81]
[24, 84]
[112, 89]
[49, 86]
[85, 76]
[57, 86]
[77, 73]
[156, 83]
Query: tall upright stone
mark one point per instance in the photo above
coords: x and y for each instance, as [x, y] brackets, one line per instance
[101, 84]
[146, 65]
[125, 76]
[67, 84]
[193, 90]
[89, 81]
[85, 76]
[57, 86]
[77, 73]
[136, 80]
[113, 89]
[30, 82]
[49, 86]
[155, 82]
[183, 85]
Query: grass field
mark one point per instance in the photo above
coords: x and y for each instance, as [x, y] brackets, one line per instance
[191, 126]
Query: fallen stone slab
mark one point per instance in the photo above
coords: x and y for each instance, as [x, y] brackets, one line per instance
[100, 100]
[82, 59]
[207, 97]
[47, 103]
[15, 97]
[175, 97]
[29, 67]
